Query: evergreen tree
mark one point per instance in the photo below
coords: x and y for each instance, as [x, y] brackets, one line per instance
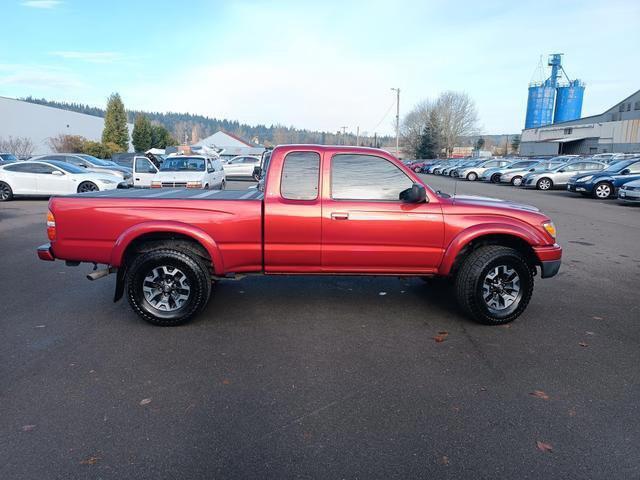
[427, 147]
[480, 144]
[115, 123]
[142, 135]
[515, 143]
[161, 138]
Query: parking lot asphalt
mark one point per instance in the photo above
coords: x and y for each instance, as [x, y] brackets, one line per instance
[331, 377]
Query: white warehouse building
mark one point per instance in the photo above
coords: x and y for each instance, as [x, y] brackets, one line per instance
[615, 131]
[39, 123]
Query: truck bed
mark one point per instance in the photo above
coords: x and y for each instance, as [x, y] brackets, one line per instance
[95, 226]
[175, 194]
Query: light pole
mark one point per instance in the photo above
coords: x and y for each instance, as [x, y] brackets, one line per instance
[344, 132]
[397, 90]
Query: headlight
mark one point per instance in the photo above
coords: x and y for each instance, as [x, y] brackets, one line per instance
[585, 179]
[194, 184]
[106, 180]
[550, 228]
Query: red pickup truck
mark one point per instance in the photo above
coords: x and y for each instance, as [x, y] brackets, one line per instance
[320, 210]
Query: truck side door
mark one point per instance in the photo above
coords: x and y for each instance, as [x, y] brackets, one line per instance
[366, 228]
[292, 214]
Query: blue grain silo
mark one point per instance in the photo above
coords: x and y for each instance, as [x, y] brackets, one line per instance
[544, 96]
[540, 105]
[569, 101]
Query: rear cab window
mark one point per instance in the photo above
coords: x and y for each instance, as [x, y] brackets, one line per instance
[300, 176]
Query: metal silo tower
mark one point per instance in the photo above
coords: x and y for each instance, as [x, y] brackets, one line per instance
[542, 97]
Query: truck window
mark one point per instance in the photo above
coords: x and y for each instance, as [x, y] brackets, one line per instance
[143, 165]
[366, 177]
[300, 175]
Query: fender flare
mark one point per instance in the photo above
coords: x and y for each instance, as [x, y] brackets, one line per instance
[197, 234]
[523, 232]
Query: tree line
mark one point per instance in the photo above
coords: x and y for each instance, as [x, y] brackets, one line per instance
[190, 128]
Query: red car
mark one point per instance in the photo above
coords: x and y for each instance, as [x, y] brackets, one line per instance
[318, 210]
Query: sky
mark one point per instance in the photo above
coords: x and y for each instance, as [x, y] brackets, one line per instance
[316, 65]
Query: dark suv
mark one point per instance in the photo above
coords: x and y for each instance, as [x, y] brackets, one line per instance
[605, 184]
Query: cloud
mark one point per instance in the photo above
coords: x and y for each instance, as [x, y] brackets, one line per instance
[91, 57]
[41, 3]
[22, 75]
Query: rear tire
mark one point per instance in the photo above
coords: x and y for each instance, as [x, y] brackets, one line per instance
[168, 287]
[494, 285]
[495, 178]
[472, 176]
[544, 184]
[6, 193]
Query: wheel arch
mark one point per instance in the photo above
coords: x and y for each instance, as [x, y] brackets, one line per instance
[195, 239]
[468, 240]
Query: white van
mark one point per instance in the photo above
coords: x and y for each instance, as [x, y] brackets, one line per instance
[190, 171]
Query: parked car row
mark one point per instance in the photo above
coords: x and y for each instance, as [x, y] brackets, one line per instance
[601, 176]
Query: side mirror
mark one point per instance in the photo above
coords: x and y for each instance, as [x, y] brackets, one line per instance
[626, 171]
[257, 172]
[57, 173]
[415, 194]
[562, 170]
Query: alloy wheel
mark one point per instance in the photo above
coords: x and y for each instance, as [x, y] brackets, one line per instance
[544, 184]
[501, 287]
[603, 191]
[5, 192]
[166, 288]
[87, 187]
[517, 181]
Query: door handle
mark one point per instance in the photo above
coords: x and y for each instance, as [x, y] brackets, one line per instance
[340, 216]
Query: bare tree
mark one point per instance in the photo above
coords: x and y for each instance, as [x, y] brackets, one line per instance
[457, 116]
[21, 147]
[67, 143]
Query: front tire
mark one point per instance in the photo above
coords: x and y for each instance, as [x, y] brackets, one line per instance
[6, 193]
[495, 178]
[494, 285]
[87, 187]
[544, 184]
[603, 191]
[168, 287]
[516, 181]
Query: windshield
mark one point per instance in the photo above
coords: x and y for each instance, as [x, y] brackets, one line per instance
[67, 167]
[180, 164]
[616, 167]
[96, 161]
[521, 164]
[8, 157]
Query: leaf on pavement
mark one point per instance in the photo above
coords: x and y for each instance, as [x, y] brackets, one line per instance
[583, 344]
[444, 460]
[597, 318]
[539, 394]
[226, 381]
[28, 428]
[90, 461]
[441, 337]
[145, 401]
[544, 447]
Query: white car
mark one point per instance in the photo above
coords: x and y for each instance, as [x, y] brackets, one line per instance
[241, 166]
[190, 171]
[474, 172]
[38, 178]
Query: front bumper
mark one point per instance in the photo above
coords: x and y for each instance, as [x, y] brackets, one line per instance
[578, 188]
[45, 253]
[631, 196]
[550, 258]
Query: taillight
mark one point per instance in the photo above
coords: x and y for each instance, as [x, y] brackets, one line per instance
[51, 226]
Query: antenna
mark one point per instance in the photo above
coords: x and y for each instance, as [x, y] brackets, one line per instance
[455, 188]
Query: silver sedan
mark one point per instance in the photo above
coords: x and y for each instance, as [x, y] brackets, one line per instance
[559, 176]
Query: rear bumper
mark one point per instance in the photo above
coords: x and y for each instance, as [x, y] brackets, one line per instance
[45, 253]
[550, 258]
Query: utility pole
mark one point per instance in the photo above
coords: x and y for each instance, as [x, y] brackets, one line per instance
[344, 132]
[357, 135]
[397, 90]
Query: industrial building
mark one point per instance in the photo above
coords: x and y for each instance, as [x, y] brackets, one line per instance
[615, 130]
[39, 123]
